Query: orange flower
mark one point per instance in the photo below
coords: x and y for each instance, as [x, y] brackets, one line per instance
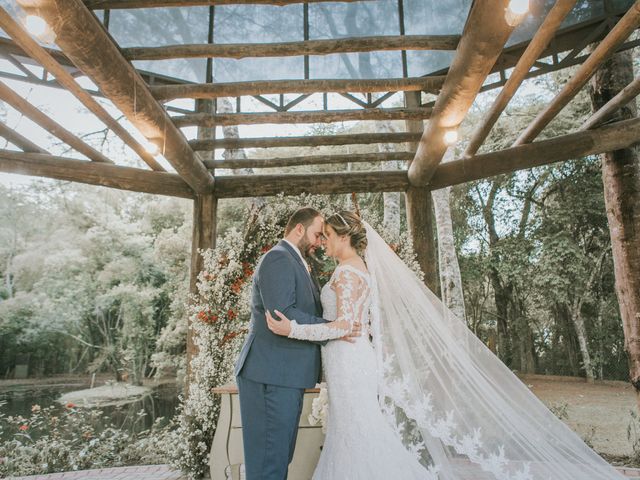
[207, 317]
[265, 249]
[237, 285]
[231, 314]
[71, 405]
[231, 335]
[246, 269]
[24, 428]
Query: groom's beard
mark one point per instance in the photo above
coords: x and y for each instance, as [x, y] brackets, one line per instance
[304, 246]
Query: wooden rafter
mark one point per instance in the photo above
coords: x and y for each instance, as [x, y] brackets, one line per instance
[54, 128]
[572, 146]
[627, 24]
[76, 28]
[320, 116]
[625, 95]
[93, 173]
[483, 39]
[322, 183]
[121, 4]
[288, 49]
[65, 79]
[18, 140]
[538, 43]
[309, 160]
[311, 141]
[607, 138]
[236, 89]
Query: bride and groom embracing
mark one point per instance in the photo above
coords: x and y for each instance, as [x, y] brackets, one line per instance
[413, 394]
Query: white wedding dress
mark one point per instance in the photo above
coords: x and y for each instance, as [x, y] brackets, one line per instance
[360, 443]
[419, 396]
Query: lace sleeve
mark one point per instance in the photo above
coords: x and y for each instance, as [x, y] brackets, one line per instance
[316, 332]
[348, 288]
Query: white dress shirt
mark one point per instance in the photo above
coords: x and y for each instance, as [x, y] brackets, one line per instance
[300, 255]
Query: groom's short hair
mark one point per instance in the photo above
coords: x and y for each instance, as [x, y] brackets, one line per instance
[304, 215]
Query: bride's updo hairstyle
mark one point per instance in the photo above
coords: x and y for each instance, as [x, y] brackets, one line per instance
[349, 223]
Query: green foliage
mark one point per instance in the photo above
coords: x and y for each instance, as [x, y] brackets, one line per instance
[92, 286]
[76, 439]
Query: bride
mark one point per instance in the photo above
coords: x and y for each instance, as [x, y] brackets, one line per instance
[419, 396]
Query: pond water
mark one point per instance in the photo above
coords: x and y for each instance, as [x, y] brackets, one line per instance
[162, 402]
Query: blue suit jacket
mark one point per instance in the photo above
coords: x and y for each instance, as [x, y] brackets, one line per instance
[281, 282]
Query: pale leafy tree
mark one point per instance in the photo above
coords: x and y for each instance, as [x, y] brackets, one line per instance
[391, 199]
[450, 278]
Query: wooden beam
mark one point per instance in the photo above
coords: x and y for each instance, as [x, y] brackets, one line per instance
[94, 173]
[19, 141]
[483, 39]
[318, 183]
[84, 40]
[538, 43]
[288, 49]
[308, 160]
[35, 51]
[309, 141]
[618, 34]
[575, 145]
[120, 4]
[54, 128]
[607, 138]
[236, 89]
[623, 97]
[318, 116]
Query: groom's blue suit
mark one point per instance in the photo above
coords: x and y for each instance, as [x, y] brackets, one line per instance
[272, 371]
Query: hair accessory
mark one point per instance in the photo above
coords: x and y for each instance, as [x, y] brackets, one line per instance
[343, 220]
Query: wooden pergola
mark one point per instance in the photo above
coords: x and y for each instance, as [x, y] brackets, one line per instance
[482, 60]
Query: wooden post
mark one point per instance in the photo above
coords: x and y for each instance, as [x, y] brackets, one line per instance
[419, 206]
[203, 232]
[621, 178]
[420, 220]
[203, 237]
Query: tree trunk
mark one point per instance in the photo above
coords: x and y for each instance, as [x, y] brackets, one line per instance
[583, 342]
[391, 200]
[231, 131]
[621, 178]
[450, 278]
[523, 334]
[501, 291]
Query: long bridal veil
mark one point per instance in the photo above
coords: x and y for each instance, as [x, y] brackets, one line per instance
[455, 404]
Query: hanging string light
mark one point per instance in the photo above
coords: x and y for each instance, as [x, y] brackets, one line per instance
[516, 11]
[151, 147]
[35, 25]
[450, 137]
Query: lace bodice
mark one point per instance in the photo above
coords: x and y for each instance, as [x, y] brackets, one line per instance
[345, 297]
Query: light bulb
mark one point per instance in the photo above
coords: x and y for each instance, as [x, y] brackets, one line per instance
[36, 25]
[450, 137]
[151, 147]
[519, 7]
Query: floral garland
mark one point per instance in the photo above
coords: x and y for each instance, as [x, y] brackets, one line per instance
[220, 314]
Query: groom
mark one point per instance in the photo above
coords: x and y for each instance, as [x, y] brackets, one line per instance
[272, 371]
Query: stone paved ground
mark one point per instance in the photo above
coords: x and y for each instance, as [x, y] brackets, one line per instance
[163, 472]
[146, 472]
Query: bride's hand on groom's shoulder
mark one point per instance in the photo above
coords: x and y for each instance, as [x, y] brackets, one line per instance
[279, 327]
